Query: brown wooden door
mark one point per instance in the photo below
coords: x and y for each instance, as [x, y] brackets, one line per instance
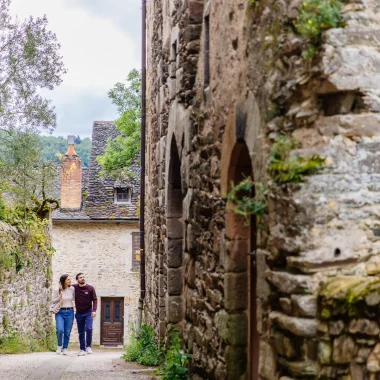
[112, 322]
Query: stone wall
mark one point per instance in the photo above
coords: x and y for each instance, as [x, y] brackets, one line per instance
[224, 80]
[103, 251]
[25, 295]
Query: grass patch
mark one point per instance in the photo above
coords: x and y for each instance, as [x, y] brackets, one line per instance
[13, 343]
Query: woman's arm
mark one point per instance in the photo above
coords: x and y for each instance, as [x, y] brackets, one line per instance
[57, 296]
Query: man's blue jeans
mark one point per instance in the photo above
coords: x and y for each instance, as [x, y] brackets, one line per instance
[84, 323]
[63, 323]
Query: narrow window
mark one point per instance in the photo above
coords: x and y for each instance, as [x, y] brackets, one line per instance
[207, 53]
[123, 195]
[135, 251]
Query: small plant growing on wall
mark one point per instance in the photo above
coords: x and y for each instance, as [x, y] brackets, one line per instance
[243, 202]
[175, 363]
[287, 168]
[314, 17]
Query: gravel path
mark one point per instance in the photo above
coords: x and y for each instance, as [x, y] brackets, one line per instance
[101, 365]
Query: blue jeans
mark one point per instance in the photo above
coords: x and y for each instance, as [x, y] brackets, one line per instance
[84, 323]
[63, 323]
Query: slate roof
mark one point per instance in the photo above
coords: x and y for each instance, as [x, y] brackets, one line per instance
[97, 192]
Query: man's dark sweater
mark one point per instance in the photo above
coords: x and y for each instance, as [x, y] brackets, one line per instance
[85, 299]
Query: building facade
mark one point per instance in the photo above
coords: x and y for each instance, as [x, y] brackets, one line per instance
[96, 232]
[293, 293]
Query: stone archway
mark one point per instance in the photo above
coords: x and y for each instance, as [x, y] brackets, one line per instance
[242, 156]
[240, 277]
[174, 238]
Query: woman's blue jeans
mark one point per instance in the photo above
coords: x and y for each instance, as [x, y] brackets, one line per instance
[64, 323]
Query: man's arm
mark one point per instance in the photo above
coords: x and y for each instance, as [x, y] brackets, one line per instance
[94, 302]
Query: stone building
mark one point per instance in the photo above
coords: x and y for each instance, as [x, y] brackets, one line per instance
[295, 294]
[96, 231]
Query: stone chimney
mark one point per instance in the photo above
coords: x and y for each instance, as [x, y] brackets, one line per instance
[71, 178]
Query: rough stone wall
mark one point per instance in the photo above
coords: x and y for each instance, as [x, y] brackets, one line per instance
[103, 251]
[25, 296]
[254, 86]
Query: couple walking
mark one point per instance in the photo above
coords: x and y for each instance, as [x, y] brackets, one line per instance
[84, 296]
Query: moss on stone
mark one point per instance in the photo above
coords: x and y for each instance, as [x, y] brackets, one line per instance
[343, 295]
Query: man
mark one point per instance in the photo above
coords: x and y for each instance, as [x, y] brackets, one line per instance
[86, 304]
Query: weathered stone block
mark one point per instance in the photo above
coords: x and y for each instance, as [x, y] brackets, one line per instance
[174, 203]
[172, 70]
[364, 326]
[174, 228]
[232, 328]
[171, 87]
[236, 258]
[267, 362]
[324, 353]
[291, 283]
[179, 80]
[343, 349]
[236, 362]
[195, 11]
[175, 281]
[174, 309]
[297, 326]
[336, 327]
[174, 252]
[235, 291]
[305, 306]
[236, 229]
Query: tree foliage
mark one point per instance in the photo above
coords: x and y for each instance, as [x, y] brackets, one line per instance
[26, 177]
[122, 152]
[51, 145]
[29, 62]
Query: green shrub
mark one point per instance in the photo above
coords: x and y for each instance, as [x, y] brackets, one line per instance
[175, 364]
[285, 168]
[143, 350]
[13, 343]
[243, 203]
[316, 16]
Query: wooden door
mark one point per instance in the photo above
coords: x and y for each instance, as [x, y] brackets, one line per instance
[112, 322]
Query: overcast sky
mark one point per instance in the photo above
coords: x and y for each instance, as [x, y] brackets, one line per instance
[100, 44]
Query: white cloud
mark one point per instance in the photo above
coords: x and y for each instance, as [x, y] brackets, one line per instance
[97, 52]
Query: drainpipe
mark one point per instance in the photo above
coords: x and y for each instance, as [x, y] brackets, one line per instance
[142, 168]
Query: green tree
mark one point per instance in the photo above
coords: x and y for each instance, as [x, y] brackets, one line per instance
[29, 62]
[122, 152]
[51, 145]
[26, 177]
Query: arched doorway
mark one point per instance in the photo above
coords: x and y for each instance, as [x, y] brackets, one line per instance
[174, 238]
[240, 276]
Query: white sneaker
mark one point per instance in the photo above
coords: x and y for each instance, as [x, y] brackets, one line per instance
[59, 350]
[81, 353]
[64, 351]
[89, 350]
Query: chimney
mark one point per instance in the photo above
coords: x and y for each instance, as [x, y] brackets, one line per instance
[71, 178]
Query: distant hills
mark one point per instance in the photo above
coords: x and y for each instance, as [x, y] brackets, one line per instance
[58, 144]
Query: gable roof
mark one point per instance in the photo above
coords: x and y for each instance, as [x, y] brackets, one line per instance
[98, 192]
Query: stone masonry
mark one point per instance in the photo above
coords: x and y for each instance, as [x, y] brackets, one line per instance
[25, 295]
[294, 294]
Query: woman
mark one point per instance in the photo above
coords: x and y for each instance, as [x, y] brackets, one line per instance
[64, 319]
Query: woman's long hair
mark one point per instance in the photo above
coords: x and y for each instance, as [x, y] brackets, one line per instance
[62, 280]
